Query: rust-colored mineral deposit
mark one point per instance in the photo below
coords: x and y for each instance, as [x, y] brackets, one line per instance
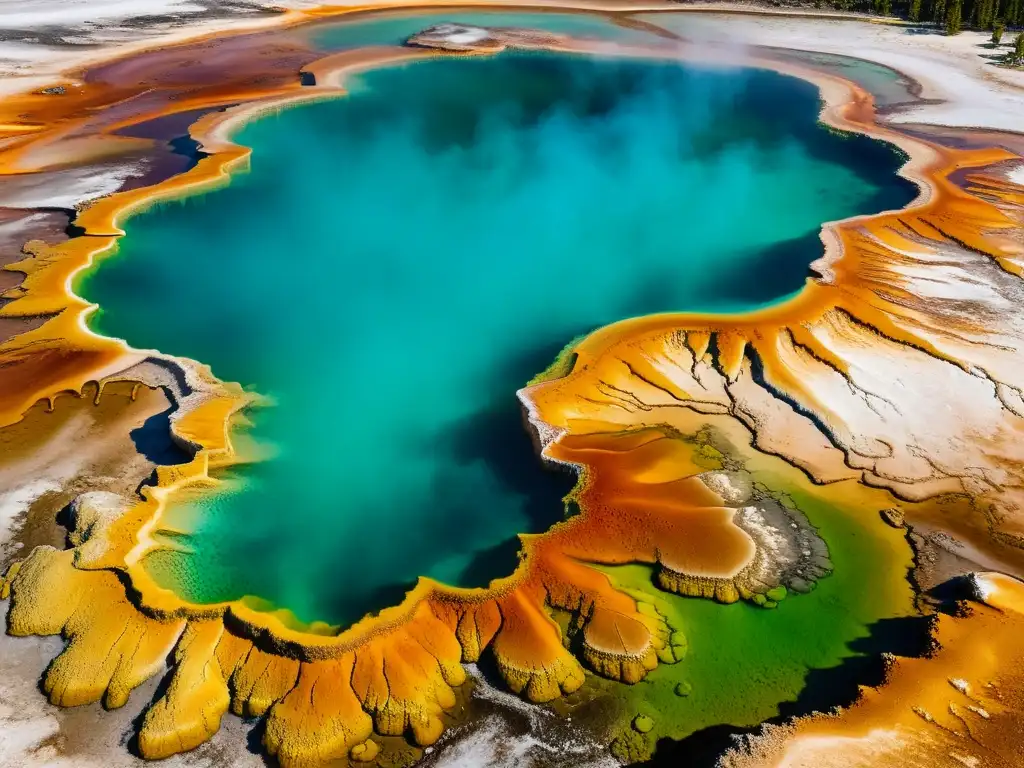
[897, 369]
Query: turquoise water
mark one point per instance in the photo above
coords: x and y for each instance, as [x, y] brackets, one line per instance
[888, 86]
[388, 28]
[397, 263]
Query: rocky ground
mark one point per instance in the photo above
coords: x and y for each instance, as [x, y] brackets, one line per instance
[960, 82]
[42, 38]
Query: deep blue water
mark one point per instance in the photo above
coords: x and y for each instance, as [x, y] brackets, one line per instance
[397, 263]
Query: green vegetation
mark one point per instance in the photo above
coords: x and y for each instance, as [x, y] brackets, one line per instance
[1017, 57]
[984, 13]
[997, 32]
[1012, 11]
[954, 17]
[973, 14]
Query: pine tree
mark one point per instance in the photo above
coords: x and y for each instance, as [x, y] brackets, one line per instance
[1018, 49]
[915, 10]
[953, 20]
[985, 12]
[887, 7]
[1014, 13]
[939, 11]
[997, 33]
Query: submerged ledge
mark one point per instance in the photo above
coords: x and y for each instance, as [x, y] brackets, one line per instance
[775, 372]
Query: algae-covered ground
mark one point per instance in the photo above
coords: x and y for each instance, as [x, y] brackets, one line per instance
[523, 199]
[743, 661]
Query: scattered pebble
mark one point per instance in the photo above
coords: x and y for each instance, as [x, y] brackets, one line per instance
[960, 684]
[642, 724]
[893, 517]
[923, 715]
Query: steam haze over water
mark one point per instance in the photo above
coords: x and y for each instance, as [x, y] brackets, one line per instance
[397, 263]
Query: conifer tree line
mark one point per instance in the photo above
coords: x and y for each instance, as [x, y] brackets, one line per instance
[953, 15]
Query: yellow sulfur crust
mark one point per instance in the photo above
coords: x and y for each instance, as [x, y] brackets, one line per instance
[800, 377]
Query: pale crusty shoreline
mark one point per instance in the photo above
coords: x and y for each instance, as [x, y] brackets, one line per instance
[47, 38]
[986, 109]
[959, 86]
[44, 39]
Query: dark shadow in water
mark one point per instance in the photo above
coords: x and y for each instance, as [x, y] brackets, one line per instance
[488, 564]
[500, 437]
[823, 690]
[165, 127]
[181, 152]
[656, 291]
[497, 436]
[762, 277]
[187, 147]
[930, 29]
[153, 439]
[768, 273]
[385, 596]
